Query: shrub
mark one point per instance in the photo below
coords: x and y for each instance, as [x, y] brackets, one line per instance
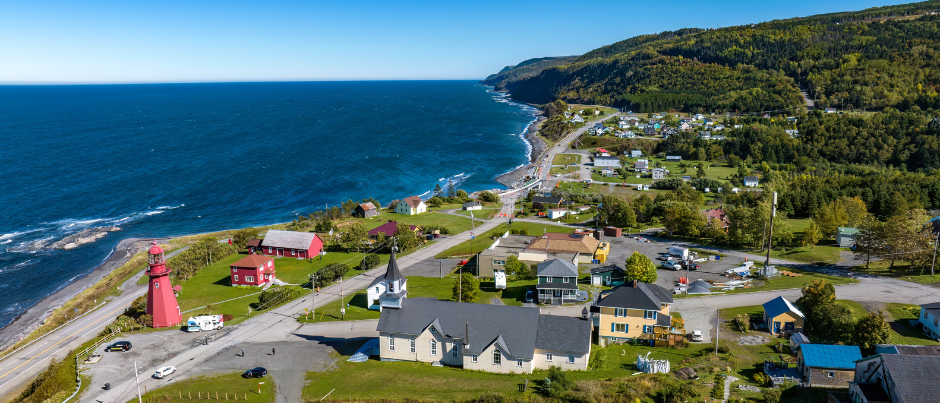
[556, 382]
[489, 197]
[519, 231]
[718, 391]
[226, 317]
[772, 395]
[743, 321]
[369, 262]
[723, 349]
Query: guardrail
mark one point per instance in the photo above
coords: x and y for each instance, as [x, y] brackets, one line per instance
[54, 330]
[78, 378]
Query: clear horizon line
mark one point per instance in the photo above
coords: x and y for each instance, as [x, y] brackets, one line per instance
[227, 81]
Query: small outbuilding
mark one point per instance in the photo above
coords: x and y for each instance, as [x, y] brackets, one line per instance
[609, 275]
[782, 317]
[366, 210]
[472, 206]
[557, 213]
[845, 236]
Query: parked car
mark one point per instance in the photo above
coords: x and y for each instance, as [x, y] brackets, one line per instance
[119, 346]
[257, 372]
[664, 257]
[691, 266]
[697, 335]
[670, 266]
[529, 296]
[163, 372]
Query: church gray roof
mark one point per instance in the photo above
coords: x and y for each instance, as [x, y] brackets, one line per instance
[518, 330]
[392, 273]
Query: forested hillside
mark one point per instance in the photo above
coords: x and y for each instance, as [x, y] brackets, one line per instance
[869, 59]
[528, 68]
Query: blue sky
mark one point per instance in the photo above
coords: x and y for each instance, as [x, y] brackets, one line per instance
[192, 41]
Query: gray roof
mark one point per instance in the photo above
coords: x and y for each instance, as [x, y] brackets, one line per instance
[517, 329]
[392, 273]
[907, 349]
[915, 376]
[288, 239]
[606, 158]
[933, 307]
[557, 268]
[664, 320]
[546, 199]
[699, 287]
[472, 204]
[563, 334]
[607, 268]
[750, 179]
[644, 296]
[556, 286]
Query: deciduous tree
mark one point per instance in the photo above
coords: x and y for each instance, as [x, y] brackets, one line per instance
[354, 236]
[639, 267]
[871, 330]
[465, 288]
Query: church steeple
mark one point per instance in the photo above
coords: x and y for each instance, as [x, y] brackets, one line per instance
[392, 273]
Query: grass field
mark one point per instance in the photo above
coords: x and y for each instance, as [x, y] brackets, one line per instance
[565, 159]
[199, 387]
[486, 213]
[900, 272]
[484, 241]
[577, 218]
[453, 223]
[377, 380]
[820, 253]
[564, 170]
[901, 330]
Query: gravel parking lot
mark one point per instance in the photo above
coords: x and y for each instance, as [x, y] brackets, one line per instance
[621, 248]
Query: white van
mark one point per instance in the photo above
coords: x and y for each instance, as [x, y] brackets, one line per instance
[204, 322]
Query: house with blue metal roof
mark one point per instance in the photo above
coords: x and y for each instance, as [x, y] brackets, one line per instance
[782, 317]
[827, 365]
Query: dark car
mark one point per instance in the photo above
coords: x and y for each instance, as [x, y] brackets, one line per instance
[529, 296]
[119, 346]
[691, 266]
[255, 373]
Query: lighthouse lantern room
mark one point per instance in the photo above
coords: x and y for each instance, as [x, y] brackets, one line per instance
[161, 300]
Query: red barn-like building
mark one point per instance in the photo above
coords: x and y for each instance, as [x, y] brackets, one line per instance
[388, 229]
[300, 245]
[253, 270]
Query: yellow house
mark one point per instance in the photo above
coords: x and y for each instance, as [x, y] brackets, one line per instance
[782, 317]
[601, 253]
[631, 310]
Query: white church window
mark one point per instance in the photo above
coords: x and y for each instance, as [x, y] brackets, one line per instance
[433, 347]
[391, 343]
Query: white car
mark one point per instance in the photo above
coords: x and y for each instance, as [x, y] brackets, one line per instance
[671, 266]
[697, 335]
[163, 372]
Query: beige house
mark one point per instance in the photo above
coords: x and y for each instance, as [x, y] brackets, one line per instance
[494, 258]
[482, 337]
[552, 242]
[631, 311]
[411, 206]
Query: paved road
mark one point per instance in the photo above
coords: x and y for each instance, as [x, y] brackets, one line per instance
[563, 147]
[275, 325]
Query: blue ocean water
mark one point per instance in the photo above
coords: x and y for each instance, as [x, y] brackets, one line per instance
[175, 159]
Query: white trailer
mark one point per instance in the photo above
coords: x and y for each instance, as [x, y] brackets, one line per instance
[204, 322]
[679, 252]
[499, 278]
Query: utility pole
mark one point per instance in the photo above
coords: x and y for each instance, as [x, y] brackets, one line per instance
[717, 326]
[342, 297]
[139, 398]
[770, 235]
[935, 244]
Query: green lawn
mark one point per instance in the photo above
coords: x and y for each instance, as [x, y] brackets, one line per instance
[486, 213]
[429, 287]
[577, 218]
[564, 170]
[824, 253]
[901, 271]
[453, 223]
[199, 387]
[484, 241]
[901, 330]
[378, 380]
[565, 159]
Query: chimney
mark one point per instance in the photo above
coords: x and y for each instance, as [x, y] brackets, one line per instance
[584, 313]
[466, 337]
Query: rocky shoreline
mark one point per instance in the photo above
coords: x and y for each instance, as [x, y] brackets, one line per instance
[33, 317]
[514, 177]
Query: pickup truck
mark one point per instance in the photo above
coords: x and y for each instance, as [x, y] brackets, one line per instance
[671, 266]
[692, 266]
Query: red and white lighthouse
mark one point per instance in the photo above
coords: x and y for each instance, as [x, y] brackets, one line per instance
[161, 301]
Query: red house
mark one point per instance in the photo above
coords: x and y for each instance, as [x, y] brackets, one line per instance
[300, 245]
[388, 229]
[253, 270]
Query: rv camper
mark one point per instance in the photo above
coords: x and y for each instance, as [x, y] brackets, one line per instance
[204, 322]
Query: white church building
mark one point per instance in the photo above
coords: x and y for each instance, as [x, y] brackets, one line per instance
[389, 290]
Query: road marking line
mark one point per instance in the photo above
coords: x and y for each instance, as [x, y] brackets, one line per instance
[108, 315]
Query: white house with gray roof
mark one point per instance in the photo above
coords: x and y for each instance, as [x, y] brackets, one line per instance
[483, 337]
